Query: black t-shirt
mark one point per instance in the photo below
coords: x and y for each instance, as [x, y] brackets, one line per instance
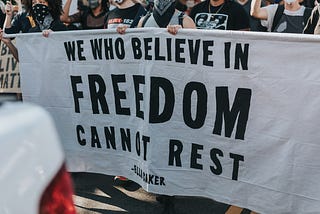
[125, 16]
[228, 16]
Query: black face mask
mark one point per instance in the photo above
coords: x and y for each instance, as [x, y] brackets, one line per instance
[163, 11]
[180, 6]
[40, 11]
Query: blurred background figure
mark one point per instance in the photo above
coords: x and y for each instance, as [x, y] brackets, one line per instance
[90, 15]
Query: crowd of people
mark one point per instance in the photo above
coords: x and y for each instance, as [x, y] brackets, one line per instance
[283, 16]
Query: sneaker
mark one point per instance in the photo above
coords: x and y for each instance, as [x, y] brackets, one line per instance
[121, 180]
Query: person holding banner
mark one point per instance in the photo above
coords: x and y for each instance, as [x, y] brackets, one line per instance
[164, 15]
[126, 14]
[46, 14]
[288, 18]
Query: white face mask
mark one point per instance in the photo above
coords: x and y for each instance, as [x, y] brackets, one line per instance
[289, 1]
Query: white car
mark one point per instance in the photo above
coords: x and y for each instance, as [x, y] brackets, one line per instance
[33, 176]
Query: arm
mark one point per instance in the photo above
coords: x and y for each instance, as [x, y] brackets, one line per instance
[65, 15]
[7, 21]
[188, 23]
[140, 22]
[257, 11]
[11, 46]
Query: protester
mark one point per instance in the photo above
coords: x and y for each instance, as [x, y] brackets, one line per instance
[46, 14]
[288, 18]
[313, 24]
[165, 15]
[90, 17]
[220, 14]
[127, 13]
[22, 21]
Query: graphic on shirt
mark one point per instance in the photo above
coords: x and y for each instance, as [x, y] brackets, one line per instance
[211, 21]
[113, 23]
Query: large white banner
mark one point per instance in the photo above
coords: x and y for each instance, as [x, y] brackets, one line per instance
[227, 115]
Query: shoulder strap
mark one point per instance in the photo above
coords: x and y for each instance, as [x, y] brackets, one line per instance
[180, 17]
[277, 17]
[145, 19]
[136, 19]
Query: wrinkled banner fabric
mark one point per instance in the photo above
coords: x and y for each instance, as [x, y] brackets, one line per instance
[233, 116]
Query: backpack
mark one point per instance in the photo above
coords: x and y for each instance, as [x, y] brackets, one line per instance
[279, 13]
[147, 16]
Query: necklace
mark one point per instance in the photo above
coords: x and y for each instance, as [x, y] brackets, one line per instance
[221, 6]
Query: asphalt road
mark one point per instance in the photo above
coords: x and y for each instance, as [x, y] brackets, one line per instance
[97, 193]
